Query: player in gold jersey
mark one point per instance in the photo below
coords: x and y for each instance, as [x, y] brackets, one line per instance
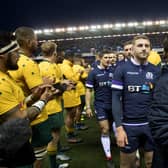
[29, 79]
[71, 98]
[15, 131]
[48, 68]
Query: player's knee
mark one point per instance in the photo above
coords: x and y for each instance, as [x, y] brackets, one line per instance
[148, 159]
[105, 130]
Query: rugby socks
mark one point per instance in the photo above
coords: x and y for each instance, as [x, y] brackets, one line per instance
[52, 150]
[69, 130]
[105, 140]
[40, 153]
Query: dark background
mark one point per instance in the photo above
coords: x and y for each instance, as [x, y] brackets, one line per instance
[59, 13]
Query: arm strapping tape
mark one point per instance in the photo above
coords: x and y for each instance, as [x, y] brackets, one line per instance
[39, 104]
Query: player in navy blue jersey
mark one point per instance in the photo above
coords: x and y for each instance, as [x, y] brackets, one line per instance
[113, 59]
[100, 80]
[128, 50]
[133, 85]
[95, 63]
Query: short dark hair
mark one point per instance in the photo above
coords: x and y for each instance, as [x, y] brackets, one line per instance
[24, 33]
[104, 51]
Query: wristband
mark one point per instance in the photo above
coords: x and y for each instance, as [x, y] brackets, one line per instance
[39, 104]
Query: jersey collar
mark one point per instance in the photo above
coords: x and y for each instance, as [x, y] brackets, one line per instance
[137, 63]
[98, 66]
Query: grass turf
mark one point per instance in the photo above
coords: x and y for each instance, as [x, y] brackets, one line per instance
[89, 153]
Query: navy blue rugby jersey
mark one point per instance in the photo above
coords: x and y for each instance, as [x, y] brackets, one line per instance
[136, 83]
[100, 80]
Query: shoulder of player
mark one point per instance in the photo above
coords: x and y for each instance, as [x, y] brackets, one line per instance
[124, 66]
[45, 63]
[5, 83]
[154, 67]
[24, 60]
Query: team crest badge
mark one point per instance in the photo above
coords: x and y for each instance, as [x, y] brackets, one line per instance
[149, 75]
[111, 75]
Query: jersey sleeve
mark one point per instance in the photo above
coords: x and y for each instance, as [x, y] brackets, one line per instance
[117, 82]
[90, 80]
[69, 73]
[117, 87]
[32, 75]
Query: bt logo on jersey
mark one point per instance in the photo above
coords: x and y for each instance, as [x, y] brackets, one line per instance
[145, 88]
[132, 88]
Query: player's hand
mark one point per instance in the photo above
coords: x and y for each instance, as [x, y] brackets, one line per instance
[48, 80]
[89, 112]
[81, 71]
[88, 69]
[65, 81]
[38, 91]
[49, 93]
[121, 136]
[69, 84]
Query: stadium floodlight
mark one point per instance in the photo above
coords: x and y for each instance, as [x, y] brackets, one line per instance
[117, 35]
[79, 38]
[60, 40]
[157, 22]
[160, 22]
[96, 37]
[69, 39]
[124, 35]
[104, 26]
[42, 41]
[118, 25]
[123, 25]
[93, 27]
[51, 40]
[108, 36]
[148, 33]
[98, 26]
[48, 30]
[155, 33]
[107, 26]
[81, 28]
[165, 32]
[71, 29]
[38, 31]
[148, 23]
[132, 24]
[88, 37]
[58, 30]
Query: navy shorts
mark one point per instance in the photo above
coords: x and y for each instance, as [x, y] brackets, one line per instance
[138, 136]
[103, 113]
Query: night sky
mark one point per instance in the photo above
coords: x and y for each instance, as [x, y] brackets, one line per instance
[59, 13]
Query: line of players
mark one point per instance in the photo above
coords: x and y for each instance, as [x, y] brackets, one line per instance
[123, 91]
